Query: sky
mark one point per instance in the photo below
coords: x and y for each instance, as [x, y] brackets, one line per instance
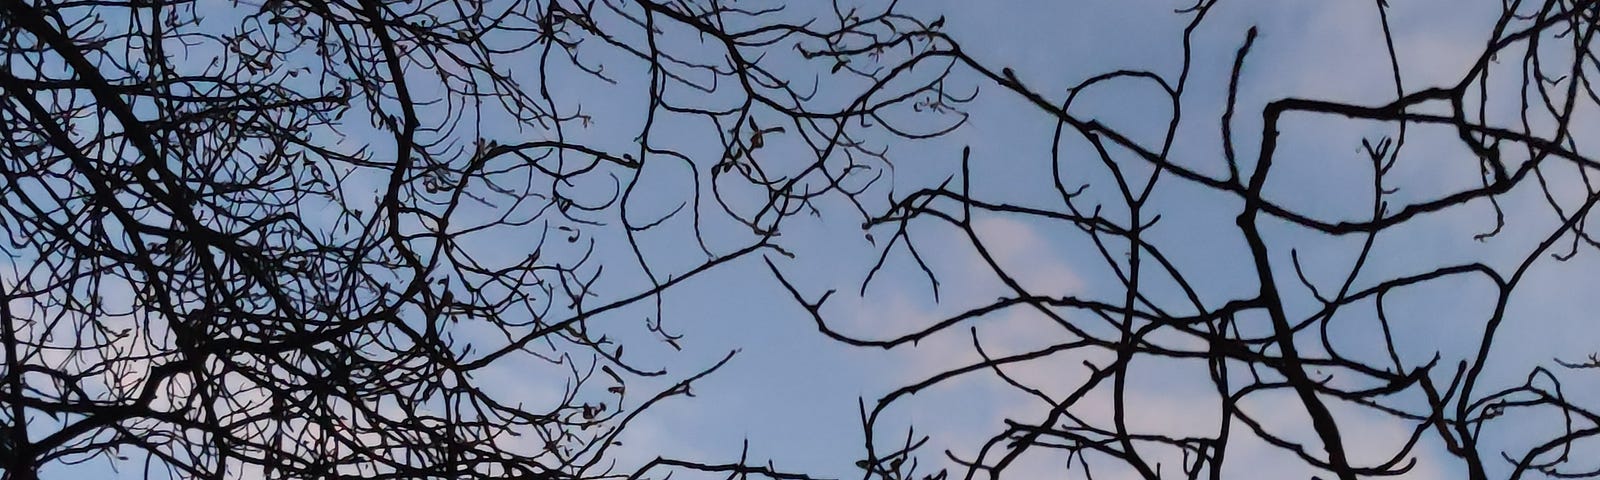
[792, 393]
[793, 396]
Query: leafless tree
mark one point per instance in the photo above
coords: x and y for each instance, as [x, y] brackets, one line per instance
[1514, 119]
[309, 239]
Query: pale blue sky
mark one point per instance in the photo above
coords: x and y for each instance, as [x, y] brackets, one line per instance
[792, 394]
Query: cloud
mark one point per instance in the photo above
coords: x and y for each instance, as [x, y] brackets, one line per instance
[1020, 249]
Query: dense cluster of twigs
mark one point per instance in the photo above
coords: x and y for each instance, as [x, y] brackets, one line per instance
[291, 238]
[1516, 115]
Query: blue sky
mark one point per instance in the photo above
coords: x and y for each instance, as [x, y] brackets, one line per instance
[795, 394]
[792, 394]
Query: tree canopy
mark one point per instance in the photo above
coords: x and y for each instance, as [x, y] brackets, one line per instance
[413, 239]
